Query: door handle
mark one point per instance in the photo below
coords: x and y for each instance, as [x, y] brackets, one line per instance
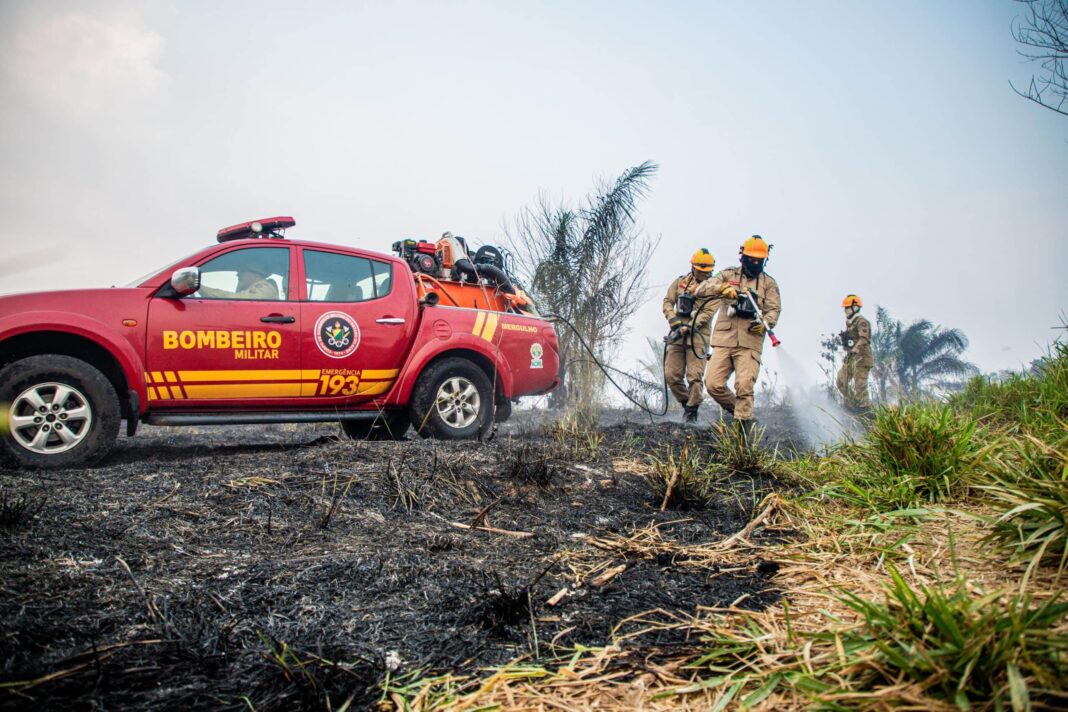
[389, 320]
[277, 319]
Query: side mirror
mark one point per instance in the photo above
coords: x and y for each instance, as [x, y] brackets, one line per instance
[185, 281]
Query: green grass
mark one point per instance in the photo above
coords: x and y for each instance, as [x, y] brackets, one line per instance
[915, 454]
[1029, 480]
[1031, 489]
[964, 649]
[914, 649]
[1034, 403]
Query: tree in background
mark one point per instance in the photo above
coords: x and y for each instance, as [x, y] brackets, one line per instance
[930, 359]
[587, 265]
[1043, 31]
[917, 360]
[884, 349]
[829, 345]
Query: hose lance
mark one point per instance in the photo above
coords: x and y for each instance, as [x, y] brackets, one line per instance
[759, 319]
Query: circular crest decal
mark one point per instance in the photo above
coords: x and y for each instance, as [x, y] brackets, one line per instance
[337, 334]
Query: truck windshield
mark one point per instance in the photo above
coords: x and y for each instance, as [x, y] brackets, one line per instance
[173, 265]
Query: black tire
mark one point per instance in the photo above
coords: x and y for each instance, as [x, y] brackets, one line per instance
[503, 411]
[426, 414]
[389, 425]
[92, 402]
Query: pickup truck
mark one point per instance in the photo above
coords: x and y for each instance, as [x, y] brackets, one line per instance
[258, 328]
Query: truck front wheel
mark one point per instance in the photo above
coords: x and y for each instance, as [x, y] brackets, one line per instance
[452, 400]
[61, 412]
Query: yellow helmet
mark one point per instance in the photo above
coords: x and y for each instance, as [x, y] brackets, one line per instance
[852, 300]
[756, 247]
[702, 260]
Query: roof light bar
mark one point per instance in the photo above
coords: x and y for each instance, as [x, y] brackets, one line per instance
[262, 228]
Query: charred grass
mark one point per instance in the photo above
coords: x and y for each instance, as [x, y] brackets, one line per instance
[289, 568]
[633, 565]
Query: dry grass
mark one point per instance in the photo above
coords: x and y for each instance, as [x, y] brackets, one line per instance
[793, 655]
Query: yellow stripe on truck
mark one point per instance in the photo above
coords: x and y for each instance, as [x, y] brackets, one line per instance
[245, 390]
[491, 327]
[374, 389]
[247, 375]
[479, 321]
[379, 375]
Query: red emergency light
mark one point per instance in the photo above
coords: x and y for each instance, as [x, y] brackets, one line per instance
[264, 227]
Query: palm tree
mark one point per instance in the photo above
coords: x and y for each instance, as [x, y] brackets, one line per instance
[916, 360]
[587, 265]
[929, 358]
[884, 349]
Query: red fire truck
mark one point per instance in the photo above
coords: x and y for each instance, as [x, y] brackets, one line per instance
[262, 329]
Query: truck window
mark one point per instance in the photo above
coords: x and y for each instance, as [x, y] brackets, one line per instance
[260, 273]
[383, 277]
[331, 277]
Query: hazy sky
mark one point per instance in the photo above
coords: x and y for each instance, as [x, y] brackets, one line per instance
[878, 145]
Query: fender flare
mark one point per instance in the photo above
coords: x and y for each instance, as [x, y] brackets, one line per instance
[129, 361]
[417, 362]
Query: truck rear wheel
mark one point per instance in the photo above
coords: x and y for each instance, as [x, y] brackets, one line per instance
[61, 412]
[389, 425]
[452, 400]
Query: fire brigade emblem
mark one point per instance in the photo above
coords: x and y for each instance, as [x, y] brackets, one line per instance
[336, 334]
[536, 352]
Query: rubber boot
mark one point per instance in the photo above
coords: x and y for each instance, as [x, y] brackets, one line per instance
[689, 415]
[728, 417]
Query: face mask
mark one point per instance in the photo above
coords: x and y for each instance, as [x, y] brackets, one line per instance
[751, 266]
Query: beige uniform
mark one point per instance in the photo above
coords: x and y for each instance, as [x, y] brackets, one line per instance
[736, 349]
[853, 375]
[683, 369]
[260, 290]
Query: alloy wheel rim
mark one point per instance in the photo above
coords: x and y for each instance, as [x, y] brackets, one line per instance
[458, 402]
[50, 418]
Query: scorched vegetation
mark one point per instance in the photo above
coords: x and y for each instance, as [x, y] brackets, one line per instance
[560, 565]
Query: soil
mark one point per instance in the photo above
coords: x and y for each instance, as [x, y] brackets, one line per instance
[282, 567]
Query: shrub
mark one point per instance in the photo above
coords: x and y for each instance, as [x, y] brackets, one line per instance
[681, 480]
[738, 454]
[957, 647]
[915, 453]
[1032, 491]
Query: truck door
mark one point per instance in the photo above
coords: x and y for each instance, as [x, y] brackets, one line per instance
[234, 343]
[358, 325]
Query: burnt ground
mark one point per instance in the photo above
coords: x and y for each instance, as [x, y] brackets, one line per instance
[282, 567]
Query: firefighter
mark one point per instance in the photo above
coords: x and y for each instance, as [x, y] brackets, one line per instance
[738, 338]
[856, 340]
[252, 283]
[689, 319]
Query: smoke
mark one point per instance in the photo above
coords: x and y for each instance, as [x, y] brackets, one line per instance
[822, 421]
